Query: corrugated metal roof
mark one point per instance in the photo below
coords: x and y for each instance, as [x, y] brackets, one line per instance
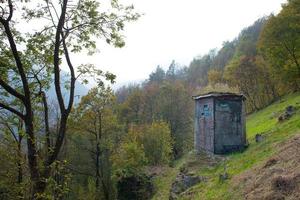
[218, 94]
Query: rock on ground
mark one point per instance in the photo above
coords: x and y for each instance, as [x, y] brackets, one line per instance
[289, 111]
[183, 182]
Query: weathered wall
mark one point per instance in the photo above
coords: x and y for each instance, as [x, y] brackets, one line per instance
[243, 132]
[204, 124]
[229, 125]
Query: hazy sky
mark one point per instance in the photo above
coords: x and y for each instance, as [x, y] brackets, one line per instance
[179, 30]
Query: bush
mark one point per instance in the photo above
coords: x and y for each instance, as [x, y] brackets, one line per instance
[145, 144]
[157, 142]
[130, 158]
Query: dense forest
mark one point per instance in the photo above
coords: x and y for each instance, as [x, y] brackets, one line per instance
[107, 145]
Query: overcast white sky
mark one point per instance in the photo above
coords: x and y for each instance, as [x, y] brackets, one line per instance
[179, 30]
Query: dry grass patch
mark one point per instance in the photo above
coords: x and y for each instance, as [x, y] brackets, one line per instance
[276, 179]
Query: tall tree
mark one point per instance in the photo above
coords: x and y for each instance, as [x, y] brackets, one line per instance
[175, 107]
[280, 43]
[158, 75]
[33, 58]
[95, 120]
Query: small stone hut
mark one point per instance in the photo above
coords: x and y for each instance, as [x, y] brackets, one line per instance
[220, 122]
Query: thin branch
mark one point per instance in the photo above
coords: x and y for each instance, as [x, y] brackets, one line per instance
[54, 9]
[5, 123]
[92, 132]
[73, 79]
[79, 74]
[2, 13]
[12, 132]
[46, 119]
[292, 54]
[56, 59]
[14, 111]
[10, 5]
[12, 91]
[46, 29]
[46, 112]
[48, 7]
[27, 101]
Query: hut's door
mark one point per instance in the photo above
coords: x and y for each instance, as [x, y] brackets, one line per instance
[206, 123]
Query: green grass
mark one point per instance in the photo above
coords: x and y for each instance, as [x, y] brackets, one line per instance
[264, 122]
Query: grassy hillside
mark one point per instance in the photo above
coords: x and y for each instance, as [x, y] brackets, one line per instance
[264, 122]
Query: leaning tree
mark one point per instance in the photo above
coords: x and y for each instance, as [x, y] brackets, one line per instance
[37, 41]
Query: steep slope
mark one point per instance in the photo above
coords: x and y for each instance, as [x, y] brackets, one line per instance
[278, 178]
[247, 170]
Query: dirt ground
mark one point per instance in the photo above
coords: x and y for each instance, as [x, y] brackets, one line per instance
[276, 179]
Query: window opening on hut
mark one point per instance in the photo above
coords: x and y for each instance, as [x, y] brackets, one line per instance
[206, 111]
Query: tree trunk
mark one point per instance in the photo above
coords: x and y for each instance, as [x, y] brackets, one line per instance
[106, 177]
[97, 166]
[20, 171]
[38, 186]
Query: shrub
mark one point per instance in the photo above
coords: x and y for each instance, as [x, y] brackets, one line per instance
[157, 142]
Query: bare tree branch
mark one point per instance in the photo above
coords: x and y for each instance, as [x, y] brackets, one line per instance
[49, 10]
[73, 78]
[2, 13]
[19, 65]
[57, 59]
[10, 5]
[12, 91]
[12, 132]
[14, 111]
[46, 112]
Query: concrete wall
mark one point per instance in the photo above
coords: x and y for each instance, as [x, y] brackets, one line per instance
[229, 125]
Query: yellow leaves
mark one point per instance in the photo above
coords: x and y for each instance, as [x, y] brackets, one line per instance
[214, 76]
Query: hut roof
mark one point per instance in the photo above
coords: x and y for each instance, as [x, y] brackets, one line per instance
[218, 94]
